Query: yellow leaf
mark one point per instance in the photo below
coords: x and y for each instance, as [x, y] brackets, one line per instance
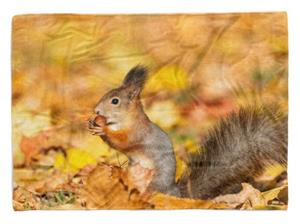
[95, 146]
[79, 158]
[165, 114]
[59, 161]
[271, 172]
[273, 193]
[170, 78]
[180, 168]
[191, 146]
[274, 170]
[74, 161]
[278, 43]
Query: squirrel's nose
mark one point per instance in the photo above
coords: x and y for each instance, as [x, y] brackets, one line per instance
[99, 110]
[99, 113]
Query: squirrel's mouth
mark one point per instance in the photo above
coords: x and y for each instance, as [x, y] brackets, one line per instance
[113, 124]
[93, 123]
[110, 123]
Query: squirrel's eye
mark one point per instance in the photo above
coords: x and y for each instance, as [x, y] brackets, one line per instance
[115, 101]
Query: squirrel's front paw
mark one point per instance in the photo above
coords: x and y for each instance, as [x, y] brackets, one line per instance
[96, 127]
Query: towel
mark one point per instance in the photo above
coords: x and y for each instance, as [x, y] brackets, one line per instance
[200, 69]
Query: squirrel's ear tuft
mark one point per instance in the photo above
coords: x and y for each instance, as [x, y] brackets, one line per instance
[135, 80]
[137, 77]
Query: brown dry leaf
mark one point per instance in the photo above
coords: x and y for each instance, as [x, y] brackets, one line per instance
[248, 193]
[25, 200]
[38, 146]
[110, 187]
[251, 198]
[54, 200]
[40, 180]
[163, 201]
[51, 183]
[280, 193]
[31, 146]
[105, 188]
[26, 176]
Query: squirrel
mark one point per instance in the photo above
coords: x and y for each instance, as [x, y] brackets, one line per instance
[234, 151]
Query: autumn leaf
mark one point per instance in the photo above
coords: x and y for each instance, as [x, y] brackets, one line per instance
[170, 78]
[74, 161]
[248, 193]
[107, 188]
[275, 193]
[162, 201]
[165, 113]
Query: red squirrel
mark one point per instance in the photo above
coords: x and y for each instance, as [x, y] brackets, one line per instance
[235, 150]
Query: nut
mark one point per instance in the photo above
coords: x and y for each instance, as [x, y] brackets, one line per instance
[100, 120]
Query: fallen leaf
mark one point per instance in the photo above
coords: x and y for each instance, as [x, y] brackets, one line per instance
[275, 193]
[32, 146]
[163, 201]
[106, 189]
[247, 194]
[74, 161]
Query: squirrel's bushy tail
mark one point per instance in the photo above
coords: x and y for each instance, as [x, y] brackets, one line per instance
[237, 149]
